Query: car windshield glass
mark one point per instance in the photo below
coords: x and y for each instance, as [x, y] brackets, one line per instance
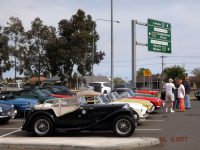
[116, 95]
[55, 90]
[82, 99]
[130, 93]
[104, 99]
[46, 91]
[41, 93]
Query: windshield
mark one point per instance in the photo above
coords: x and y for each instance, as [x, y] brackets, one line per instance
[41, 93]
[104, 99]
[130, 93]
[116, 95]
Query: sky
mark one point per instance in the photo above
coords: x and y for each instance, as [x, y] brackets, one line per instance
[183, 15]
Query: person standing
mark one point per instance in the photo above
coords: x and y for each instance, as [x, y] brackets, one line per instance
[169, 97]
[187, 86]
[181, 95]
[175, 91]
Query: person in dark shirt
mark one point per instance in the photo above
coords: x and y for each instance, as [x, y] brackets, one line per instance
[187, 86]
[175, 91]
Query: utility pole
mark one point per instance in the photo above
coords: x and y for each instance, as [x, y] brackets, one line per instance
[162, 77]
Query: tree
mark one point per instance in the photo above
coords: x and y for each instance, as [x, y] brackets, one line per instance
[74, 46]
[15, 32]
[118, 80]
[35, 60]
[4, 53]
[196, 72]
[175, 72]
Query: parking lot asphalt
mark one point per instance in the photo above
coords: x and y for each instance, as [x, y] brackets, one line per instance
[70, 143]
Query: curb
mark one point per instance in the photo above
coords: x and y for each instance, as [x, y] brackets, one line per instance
[76, 143]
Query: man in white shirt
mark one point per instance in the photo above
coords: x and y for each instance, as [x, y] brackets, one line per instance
[169, 98]
[181, 95]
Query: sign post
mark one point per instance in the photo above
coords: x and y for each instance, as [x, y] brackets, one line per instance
[159, 36]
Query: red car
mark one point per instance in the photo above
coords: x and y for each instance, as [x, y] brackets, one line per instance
[55, 94]
[147, 90]
[128, 93]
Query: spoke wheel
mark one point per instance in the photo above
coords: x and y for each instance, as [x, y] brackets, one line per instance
[42, 126]
[124, 126]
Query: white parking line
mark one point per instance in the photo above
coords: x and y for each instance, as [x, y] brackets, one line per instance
[9, 128]
[148, 129]
[152, 120]
[17, 120]
[10, 133]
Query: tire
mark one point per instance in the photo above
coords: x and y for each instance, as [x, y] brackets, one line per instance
[105, 92]
[4, 121]
[17, 113]
[42, 126]
[123, 126]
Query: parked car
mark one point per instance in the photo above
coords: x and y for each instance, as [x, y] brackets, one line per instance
[74, 114]
[102, 87]
[128, 93]
[21, 105]
[123, 85]
[51, 92]
[147, 90]
[6, 112]
[98, 98]
[60, 89]
[35, 94]
[114, 96]
[12, 87]
[197, 94]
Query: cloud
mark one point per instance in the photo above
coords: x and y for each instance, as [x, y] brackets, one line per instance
[182, 14]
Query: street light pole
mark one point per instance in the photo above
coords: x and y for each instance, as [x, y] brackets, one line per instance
[0, 66]
[111, 45]
[93, 44]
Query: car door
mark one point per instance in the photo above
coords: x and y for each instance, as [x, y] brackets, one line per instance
[73, 116]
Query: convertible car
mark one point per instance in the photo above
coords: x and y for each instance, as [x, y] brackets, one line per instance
[6, 112]
[147, 90]
[74, 114]
[50, 92]
[35, 94]
[128, 93]
[114, 96]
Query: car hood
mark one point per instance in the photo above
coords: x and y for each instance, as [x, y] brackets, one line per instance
[20, 101]
[6, 107]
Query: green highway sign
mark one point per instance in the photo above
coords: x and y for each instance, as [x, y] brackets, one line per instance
[159, 36]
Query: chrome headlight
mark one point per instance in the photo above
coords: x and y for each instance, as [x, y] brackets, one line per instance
[1, 110]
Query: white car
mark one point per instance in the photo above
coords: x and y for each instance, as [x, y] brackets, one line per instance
[102, 87]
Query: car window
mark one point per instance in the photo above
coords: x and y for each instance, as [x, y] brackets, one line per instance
[94, 84]
[106, 84]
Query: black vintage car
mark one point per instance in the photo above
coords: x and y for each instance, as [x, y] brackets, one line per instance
[197, 94]
[73, 114]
